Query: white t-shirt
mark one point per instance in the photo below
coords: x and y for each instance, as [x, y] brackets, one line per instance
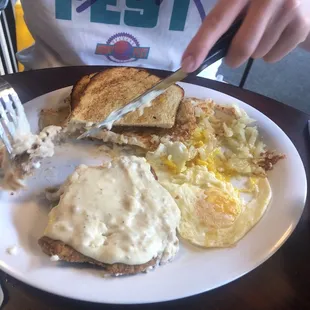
[140, 33]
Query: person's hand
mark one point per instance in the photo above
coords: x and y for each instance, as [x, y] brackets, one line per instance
[271, 29]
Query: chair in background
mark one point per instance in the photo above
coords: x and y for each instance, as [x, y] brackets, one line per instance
[8, 63]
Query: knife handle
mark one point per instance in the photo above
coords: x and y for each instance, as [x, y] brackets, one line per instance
[221, 47]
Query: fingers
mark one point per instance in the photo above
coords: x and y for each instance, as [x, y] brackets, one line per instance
[214, 26]
[271, 29]
[293, 35]
[251, 32]
[275, 29]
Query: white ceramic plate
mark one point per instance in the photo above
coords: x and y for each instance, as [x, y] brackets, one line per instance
[23, 217]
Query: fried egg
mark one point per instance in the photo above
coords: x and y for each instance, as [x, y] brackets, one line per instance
[212, 217]
[215, 186]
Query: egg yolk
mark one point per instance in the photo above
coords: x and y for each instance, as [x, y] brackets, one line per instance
[217, 209]
[172, 167]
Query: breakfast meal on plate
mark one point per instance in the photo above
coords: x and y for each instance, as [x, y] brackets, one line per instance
[116, 216]
[195, 168]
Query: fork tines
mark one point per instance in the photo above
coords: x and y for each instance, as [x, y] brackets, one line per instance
[12, 115]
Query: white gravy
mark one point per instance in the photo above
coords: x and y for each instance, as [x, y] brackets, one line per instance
[116, 214]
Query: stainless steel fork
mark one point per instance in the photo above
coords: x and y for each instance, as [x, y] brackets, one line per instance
[13, 119]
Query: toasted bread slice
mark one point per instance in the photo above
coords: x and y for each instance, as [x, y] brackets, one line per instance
[114, 88]
[149, 138]
[56, 117]
[78, 89]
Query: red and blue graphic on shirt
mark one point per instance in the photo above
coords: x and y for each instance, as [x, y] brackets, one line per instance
[122, 47]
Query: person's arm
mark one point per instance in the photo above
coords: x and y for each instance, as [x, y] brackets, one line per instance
[271, 29]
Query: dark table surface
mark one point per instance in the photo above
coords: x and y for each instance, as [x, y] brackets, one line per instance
[282, 282]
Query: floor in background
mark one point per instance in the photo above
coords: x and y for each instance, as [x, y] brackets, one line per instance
[287, 81]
